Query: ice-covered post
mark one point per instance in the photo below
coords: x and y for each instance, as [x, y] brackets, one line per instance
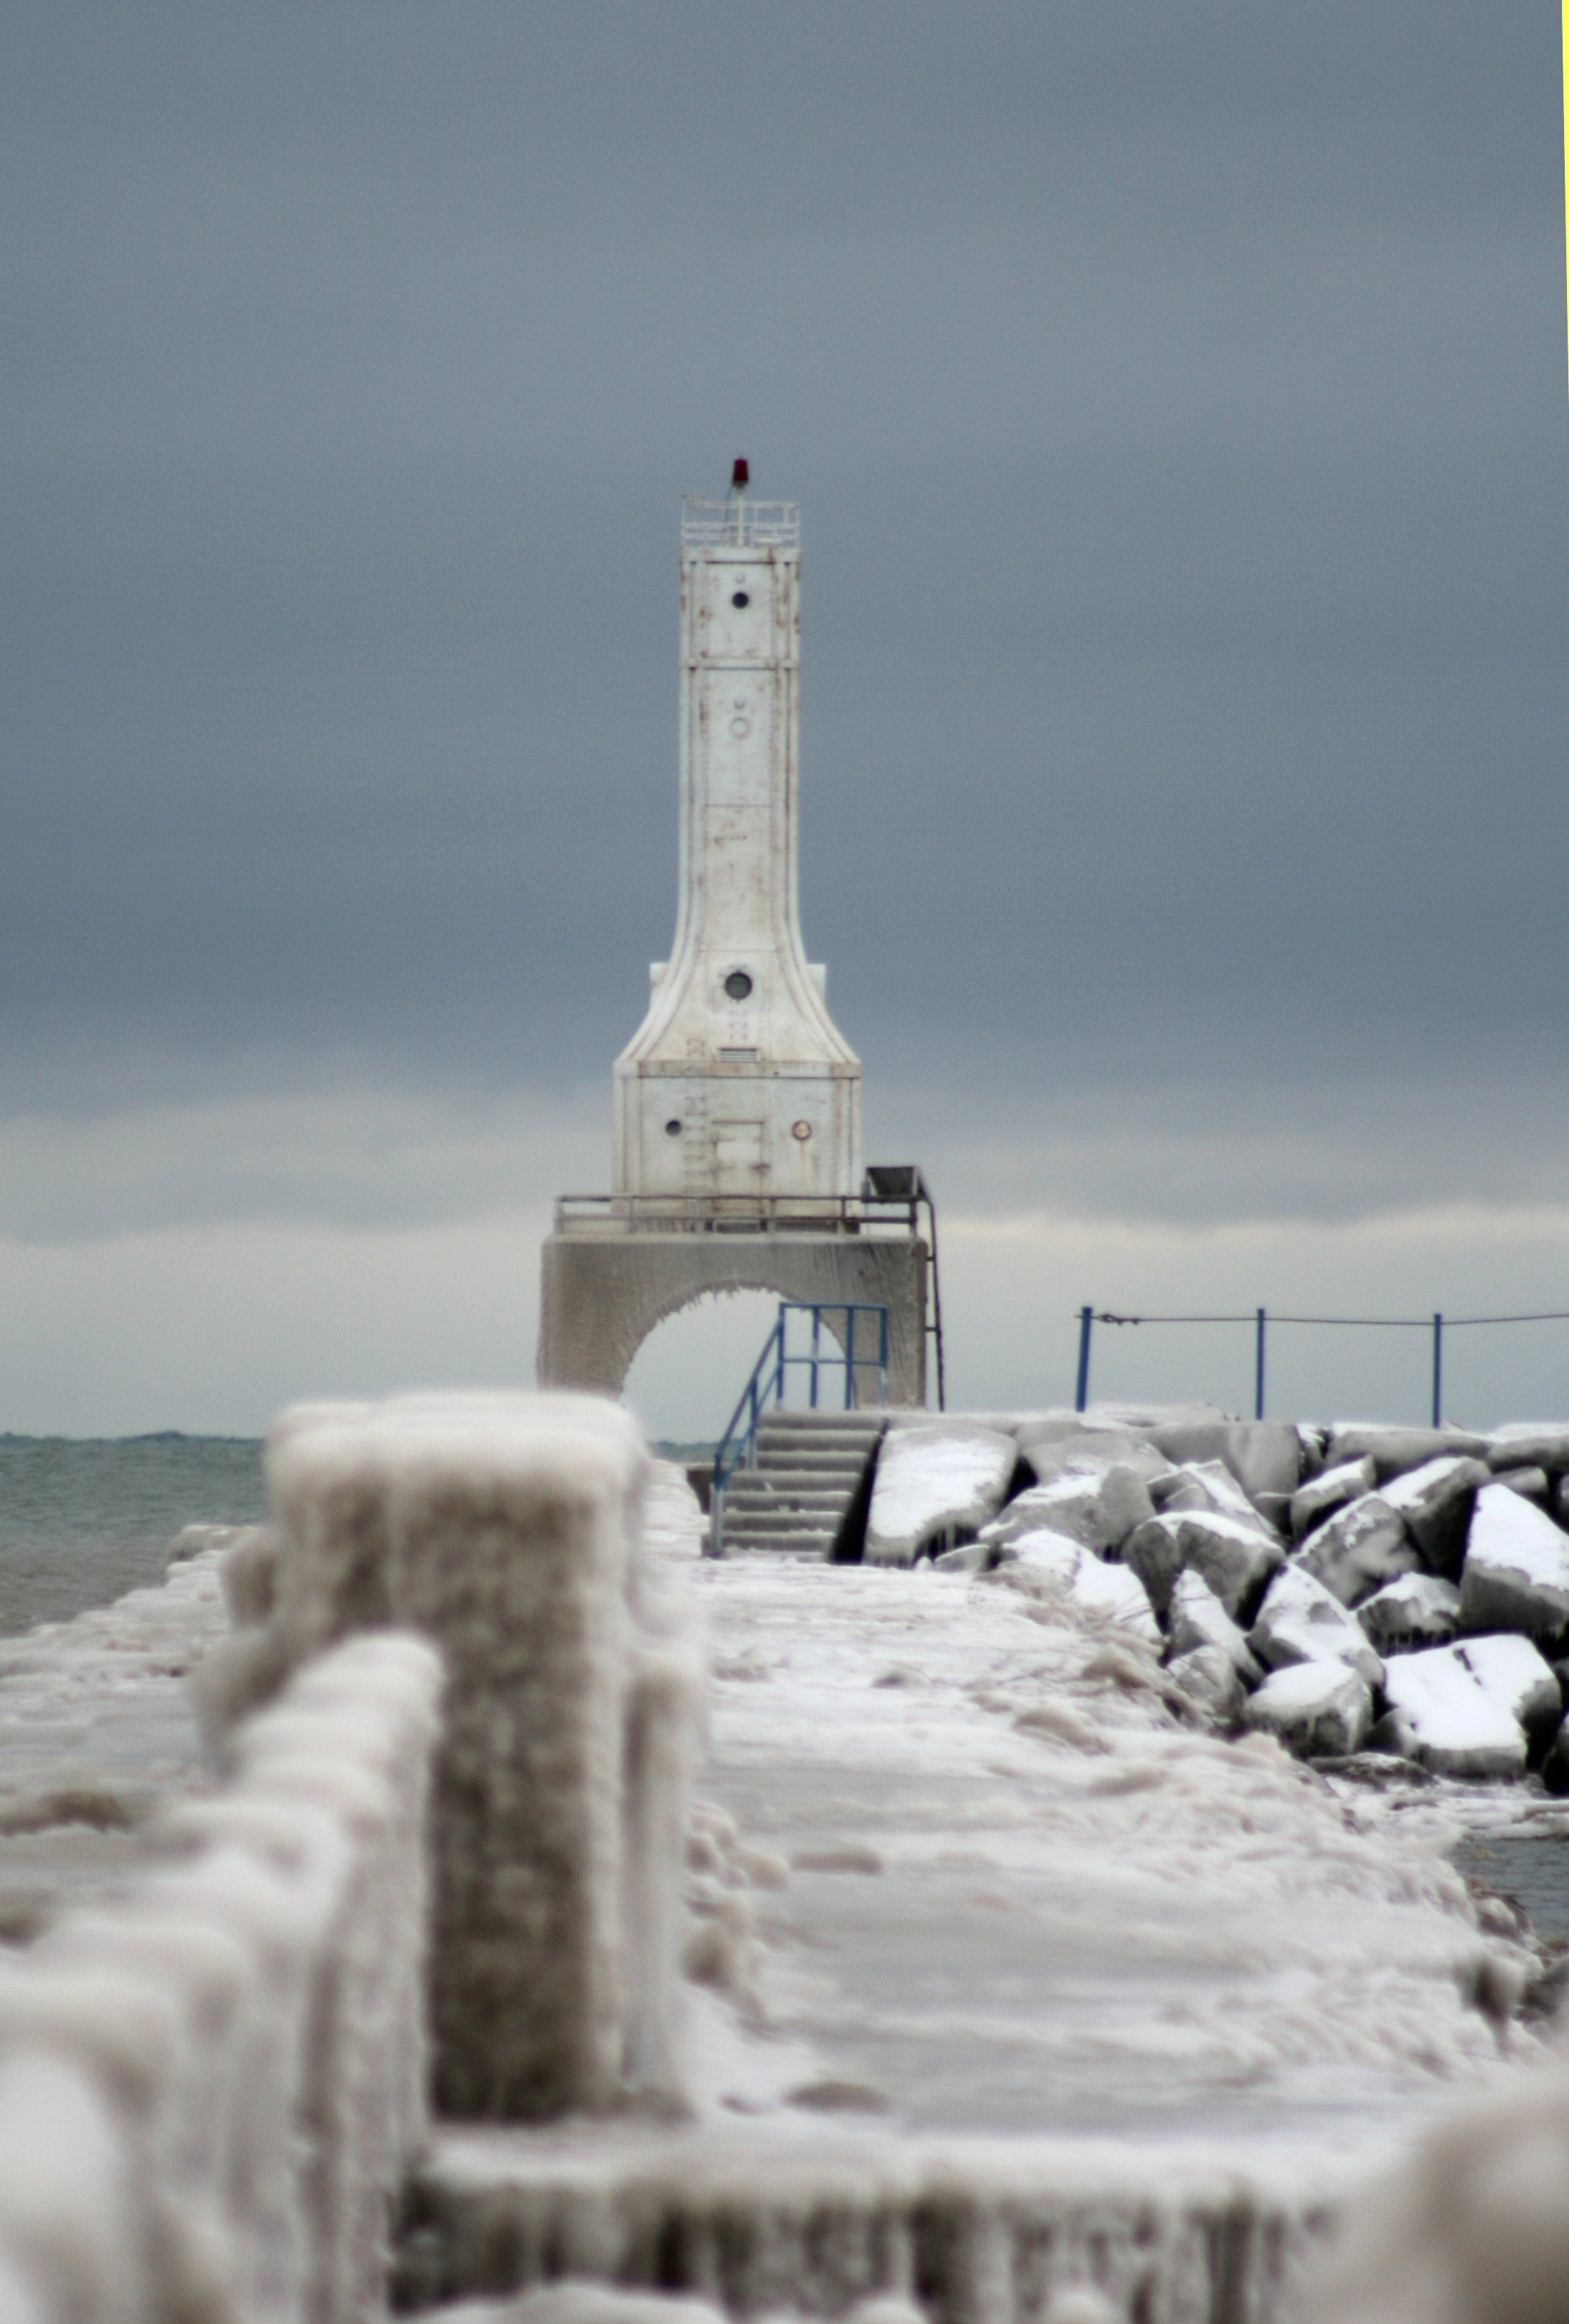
[505, 1529]
[1082, 1389]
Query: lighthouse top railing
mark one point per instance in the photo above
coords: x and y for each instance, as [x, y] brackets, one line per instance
[739, 522]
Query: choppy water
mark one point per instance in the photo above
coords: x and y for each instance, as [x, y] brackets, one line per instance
[83, 1519]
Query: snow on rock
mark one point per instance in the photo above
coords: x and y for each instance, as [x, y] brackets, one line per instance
[1211, 1680]
[1441, 1716]
[1530, 1445]
[1300, 1622]
[1516, 1575]
[1087, 1451]
[1511, 1671]
[1531, 1484]
[1393, 1450]
[1417, 1610]
[1198, 1619]
[1330, 1490]
[1057, 1564]
[1319, 1709]
[1359, 1548]
[1436, 1503]
[932, 1481]
[1099, 1509]
[1264, 1456]
[1207, 1485]
[1235, 1559]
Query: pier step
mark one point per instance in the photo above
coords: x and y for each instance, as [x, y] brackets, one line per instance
[808, 1468]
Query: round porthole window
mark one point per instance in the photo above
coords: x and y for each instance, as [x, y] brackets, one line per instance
[738, 984]
[672, 1129]
[740, 601]
[801, 1129]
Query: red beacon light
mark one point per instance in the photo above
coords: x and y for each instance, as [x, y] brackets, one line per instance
[740, 476]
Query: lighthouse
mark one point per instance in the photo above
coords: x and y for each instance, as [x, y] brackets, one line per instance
[737, 1083]
[735, 1152]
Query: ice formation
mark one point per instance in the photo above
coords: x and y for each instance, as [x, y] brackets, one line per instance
[212, 2086]
[513, 1531]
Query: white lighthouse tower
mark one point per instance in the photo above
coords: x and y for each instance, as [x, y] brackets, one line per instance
[737, 1083]
[736, 1160]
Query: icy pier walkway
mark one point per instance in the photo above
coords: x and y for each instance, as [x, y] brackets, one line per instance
[97, 1731]
[1027, 1897]
[1048, 1985]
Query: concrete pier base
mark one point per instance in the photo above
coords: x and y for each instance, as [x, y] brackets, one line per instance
[601, 1296]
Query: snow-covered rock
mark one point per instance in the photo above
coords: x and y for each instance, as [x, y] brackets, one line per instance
[1099, 1508]
[1059, 1564]
[1300, 1622]
[1330, 1490]
[1264, 1456]
[1437, 1501]
[1418, 1610]
[1394, 1450]
[1206, 1485]
[1211, 1680]
[1441, 1716]
[1510, 1670]
[1359, 1548]
[1516, 1575]
[1530, 1445]
[1199, 1619]
[1317, 1708]
[1531, 1484]
[1235, 1559]
[1086, 1450]
[932, 1481]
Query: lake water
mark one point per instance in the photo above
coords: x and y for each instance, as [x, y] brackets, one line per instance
[83, 1519]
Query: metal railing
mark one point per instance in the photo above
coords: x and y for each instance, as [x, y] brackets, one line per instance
[737, 1447]
[740, 523]
[621, 1214]
[1259, 1319]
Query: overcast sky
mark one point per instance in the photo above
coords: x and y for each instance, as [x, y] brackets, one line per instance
[1176, 394]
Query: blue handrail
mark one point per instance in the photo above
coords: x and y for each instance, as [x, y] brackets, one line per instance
[738, 1445]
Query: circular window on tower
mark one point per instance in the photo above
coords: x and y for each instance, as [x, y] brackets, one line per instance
[672, 1129]
[740, 601]
[801, 1129]
[738, 984]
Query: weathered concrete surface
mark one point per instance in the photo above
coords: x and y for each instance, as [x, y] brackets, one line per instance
[600, 1297]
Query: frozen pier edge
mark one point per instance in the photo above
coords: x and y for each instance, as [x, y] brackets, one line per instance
[999, 1968]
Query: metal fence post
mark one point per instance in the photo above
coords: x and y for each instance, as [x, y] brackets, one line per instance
[1082, 1391]
[1437, 1370]
[1258, 1370]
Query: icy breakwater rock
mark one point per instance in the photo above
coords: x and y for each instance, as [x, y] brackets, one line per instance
[1341, 1586]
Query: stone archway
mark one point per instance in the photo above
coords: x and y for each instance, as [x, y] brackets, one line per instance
[602, 1295]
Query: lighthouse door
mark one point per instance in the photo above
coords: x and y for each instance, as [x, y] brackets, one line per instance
[740, 1161]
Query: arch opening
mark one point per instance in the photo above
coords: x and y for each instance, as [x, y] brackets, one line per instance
[684, 1377]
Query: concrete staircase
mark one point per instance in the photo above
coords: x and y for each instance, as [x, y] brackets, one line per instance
[808, 1465]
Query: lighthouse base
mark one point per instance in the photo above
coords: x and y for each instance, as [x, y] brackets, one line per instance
[600, 1297]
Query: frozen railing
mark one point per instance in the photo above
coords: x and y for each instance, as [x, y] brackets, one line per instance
[626, 1214]
[740, 523]
[210, 2088]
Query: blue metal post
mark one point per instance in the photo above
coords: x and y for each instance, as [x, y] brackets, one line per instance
[1437, 1370]
[1258, 1370]
[816, 1329]
[1082, 1391]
